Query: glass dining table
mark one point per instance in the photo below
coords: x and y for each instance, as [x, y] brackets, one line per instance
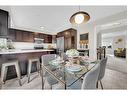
[67, 72]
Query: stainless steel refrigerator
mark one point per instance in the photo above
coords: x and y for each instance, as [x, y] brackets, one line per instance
[60, 45]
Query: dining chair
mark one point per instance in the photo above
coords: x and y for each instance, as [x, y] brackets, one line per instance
[91, 78]
[45, 60]
[102, 71]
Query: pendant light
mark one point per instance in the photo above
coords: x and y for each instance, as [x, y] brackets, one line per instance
[79, 17]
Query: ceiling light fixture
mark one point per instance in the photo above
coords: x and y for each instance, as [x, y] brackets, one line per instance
[42, 27]
[79, 17]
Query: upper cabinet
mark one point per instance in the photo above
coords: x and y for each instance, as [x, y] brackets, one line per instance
[70, 38]
[31, 37]
[19, 36]
[12, 34]
[47, 38]
[36, 35]
[4, 23]
[27, 36]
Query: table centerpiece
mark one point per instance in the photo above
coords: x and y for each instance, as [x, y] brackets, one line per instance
[72, 54]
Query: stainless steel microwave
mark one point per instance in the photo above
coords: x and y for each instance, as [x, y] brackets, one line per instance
[38, 40]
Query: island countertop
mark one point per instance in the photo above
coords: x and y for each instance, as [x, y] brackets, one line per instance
[19, 51]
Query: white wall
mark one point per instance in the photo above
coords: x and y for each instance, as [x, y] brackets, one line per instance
[91, 29]
[99, 39]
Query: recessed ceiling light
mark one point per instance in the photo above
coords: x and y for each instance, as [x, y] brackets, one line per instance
[42, 27]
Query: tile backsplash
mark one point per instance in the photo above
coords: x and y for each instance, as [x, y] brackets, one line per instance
[3, 41]
[28, 45]
[23, 45]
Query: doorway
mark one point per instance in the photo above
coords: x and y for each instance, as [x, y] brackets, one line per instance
[114, 40]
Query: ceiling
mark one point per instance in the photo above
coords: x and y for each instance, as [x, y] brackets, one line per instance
[54, 18]
[114, 34]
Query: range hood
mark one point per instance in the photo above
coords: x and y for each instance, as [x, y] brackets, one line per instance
[4, 24]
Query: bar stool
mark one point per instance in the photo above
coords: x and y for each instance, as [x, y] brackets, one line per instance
[31, 61]
[4, 70]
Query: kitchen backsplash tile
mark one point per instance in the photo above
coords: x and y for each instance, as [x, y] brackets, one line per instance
[27, 45]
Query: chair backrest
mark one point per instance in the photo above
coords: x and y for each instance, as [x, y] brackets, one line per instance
[91, 78]
[47, 58]
[102, 68]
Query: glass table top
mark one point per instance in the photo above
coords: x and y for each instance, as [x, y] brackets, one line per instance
[68, 72]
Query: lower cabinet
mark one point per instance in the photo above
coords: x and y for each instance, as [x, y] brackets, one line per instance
[23, 63]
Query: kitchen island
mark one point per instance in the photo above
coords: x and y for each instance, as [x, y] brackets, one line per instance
[20, 51]
[22, 56]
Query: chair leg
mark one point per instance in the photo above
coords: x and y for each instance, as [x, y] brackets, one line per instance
[18, 73]
[97, 85]
[2, 75]
[29, 71]
[41, 72]
[0, 86]
[51, 87]
[5, 74]
[38, 67]
[101, 84]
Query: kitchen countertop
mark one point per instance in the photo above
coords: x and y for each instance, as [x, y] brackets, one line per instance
[16, 51]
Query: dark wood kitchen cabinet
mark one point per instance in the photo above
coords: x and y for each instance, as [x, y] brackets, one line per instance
[70, 38]
[60, 34]
[12, 34]
[41, 36]
[19, 36]
[27, 36]
[47, 38]
[36, 35]
[31, 37]
[4, 22]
